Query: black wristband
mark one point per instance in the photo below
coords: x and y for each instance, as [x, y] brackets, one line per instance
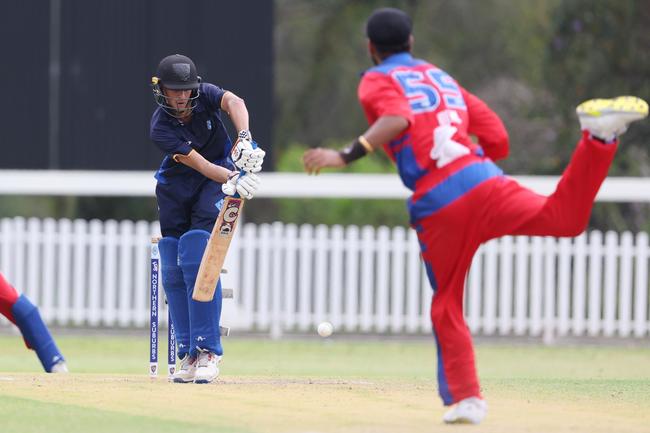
[353, 152]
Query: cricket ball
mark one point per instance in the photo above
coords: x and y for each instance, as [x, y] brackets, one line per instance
[325, 329]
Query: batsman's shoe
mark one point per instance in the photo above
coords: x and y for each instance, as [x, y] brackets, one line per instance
[186, 370]
[607, 119]
[471, 410]
[207, 367]
[60, 367]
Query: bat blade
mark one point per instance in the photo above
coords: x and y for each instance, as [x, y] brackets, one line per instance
[216, 250]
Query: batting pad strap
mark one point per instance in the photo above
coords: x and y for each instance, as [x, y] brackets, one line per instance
[354, 151]
[35, 332]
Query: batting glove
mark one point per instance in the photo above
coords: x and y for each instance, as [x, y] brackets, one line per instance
[245, 186]
[245, 156]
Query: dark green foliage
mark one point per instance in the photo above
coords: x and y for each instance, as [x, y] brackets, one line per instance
[600, 48]
[102, 208]
[341, 211]
[531, 60]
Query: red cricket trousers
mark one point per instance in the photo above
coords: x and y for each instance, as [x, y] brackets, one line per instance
[8, 297]
[496, 207]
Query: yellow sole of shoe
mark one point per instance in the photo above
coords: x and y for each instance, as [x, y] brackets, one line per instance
[622, 104]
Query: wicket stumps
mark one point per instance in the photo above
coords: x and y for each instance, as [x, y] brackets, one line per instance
[153, 326]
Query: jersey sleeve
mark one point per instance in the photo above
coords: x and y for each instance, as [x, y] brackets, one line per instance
[380, 96]
[487, 126]
[214, 95]
[169, 143]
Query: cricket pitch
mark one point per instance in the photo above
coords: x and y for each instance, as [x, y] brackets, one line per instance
[300, 397]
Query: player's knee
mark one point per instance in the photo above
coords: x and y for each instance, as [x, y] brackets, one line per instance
[27, 317]
[35, 332]
[575, 230]
[438, 312]
[168, 247]
[191, 247]
[571, 227]
[171, 274]
[447, 310]
[23, 309]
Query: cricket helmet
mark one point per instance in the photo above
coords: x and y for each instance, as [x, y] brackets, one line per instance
[175, 72]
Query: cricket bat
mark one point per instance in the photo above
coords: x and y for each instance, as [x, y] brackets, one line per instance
[217, 248]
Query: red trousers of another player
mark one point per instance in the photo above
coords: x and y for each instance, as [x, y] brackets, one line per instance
[496, 207]
[8, 297]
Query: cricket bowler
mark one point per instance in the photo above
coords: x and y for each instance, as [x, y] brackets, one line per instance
[424, 120]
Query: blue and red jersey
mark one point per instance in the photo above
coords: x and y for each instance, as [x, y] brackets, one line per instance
[428, 97]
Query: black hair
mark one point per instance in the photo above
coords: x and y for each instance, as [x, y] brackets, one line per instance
[389, 30]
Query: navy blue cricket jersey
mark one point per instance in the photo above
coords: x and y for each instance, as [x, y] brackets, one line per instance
[205, 133]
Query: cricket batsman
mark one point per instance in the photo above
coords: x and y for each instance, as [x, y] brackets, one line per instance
[22, 313]
[424, 118]
[201, 166]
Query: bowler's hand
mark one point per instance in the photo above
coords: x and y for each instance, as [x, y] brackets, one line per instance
[316, 159]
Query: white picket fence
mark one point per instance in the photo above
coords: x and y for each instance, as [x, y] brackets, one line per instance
[288, 278]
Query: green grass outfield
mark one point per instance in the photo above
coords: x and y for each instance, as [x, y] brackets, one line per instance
[314, 385]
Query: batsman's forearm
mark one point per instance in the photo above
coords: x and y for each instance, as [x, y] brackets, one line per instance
[215, 172]
[196, 161]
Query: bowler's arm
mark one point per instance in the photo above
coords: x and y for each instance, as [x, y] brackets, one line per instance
[382, 131]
